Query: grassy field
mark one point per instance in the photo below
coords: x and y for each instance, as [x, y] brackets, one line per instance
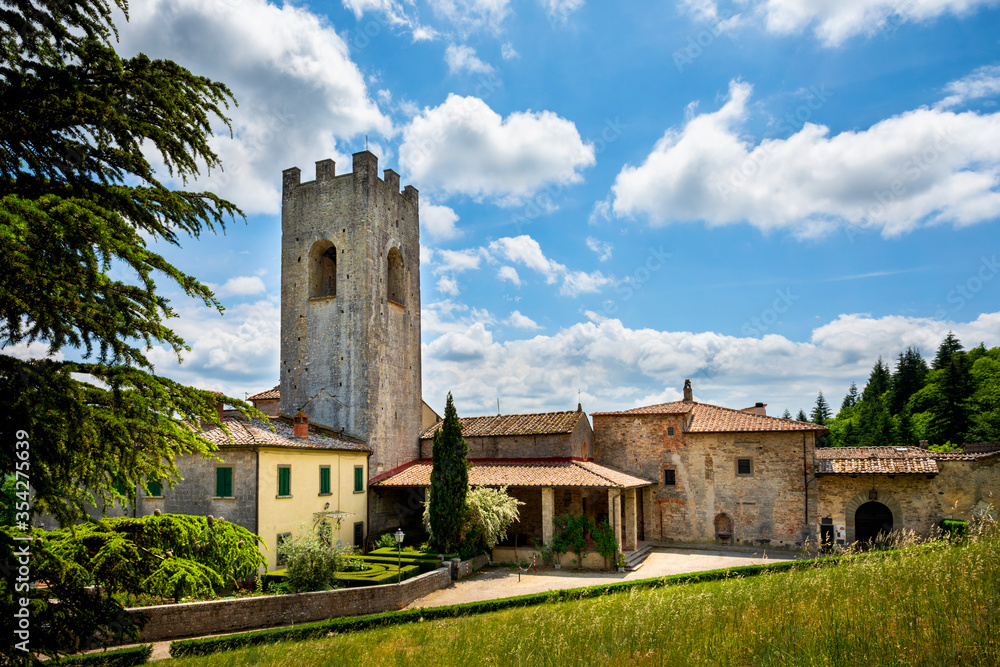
[932, 605]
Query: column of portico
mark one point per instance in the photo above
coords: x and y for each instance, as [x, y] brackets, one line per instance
[631, 526]
[548, 508]
[615, 512]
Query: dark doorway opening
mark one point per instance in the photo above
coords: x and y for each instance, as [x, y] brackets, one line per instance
[826, 537]
[871, 521]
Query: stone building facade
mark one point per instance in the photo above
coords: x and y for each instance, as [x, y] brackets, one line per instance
[350, 306]
[723, 476]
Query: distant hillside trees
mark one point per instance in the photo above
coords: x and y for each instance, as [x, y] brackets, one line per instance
[955, 399]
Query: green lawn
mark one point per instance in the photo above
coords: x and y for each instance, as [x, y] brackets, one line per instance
[933, 605]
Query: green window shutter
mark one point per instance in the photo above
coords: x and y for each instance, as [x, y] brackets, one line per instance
[154, 487]
[324, 479]
[284, 481]
[223, 482]
[359, 479]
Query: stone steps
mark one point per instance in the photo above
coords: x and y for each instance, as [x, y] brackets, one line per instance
[635, 559]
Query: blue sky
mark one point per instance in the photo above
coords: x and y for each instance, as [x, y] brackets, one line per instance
[760, 196]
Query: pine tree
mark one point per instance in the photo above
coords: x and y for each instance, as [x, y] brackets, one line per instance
[949, 348]
[908, 378]
[851, 399]
[78, 200]
[81, 211]
[787, 414]
[821, 411]
[449, 482]
[802, 417]
[874, 419]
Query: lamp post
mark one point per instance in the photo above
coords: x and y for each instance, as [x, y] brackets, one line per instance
[399, 555]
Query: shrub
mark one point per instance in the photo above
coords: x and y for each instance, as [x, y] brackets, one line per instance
[488, 515]
[604, 540]
[311, 564]
[571, 533]
[125, 657]
[386, 541]
[954, 528]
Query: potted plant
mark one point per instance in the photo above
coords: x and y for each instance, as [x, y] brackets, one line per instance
[559, 547]
[621, 562]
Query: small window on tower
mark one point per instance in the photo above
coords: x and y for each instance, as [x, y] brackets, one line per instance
[396, 283]
[670, 430]
[669, 477]
[323, 270]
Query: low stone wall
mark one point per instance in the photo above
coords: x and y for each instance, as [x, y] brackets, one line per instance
[195, 619]
[591, 559]
[461, 569]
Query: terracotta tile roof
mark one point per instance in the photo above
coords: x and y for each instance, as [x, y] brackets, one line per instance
[673, 408]
[877, 466]
[527, 472]
[847, 453]
[706, 418]
[544, 423]
[269, 393]
[258, 434]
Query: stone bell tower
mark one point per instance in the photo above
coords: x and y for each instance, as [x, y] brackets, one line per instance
[350, 306]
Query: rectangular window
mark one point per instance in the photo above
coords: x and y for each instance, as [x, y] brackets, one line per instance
[359, 479]
[669, 477]
[154, 488]
[670, 430]
[744, 467]
[284, 481]
[324, 480]
[223, 482]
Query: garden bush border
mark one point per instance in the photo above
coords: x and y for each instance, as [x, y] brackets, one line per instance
[320, 629]
[122, 657]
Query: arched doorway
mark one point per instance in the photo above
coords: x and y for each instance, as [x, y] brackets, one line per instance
[871, 520]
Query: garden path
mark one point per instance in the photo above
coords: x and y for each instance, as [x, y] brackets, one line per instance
[502, 582]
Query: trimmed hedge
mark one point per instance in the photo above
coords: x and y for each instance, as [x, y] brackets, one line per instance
[378, 573]
[123, 657]
[423, 564]
[955, 527]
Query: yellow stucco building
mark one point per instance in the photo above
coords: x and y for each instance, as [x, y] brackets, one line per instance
[272, 482]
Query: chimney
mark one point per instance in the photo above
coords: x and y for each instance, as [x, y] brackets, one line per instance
[301, 431]
[924, 444]
[688, 394]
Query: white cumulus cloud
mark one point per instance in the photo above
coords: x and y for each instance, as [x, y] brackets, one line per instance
[984, 82]
[602, 248]
[448, 285]
[509, 273]
[439, 221]
[268, 55]
[463, 59]
[519, 321]
[463, 147]
[241, 286]
[919, 168]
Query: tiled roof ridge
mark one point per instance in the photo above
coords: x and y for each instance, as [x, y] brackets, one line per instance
[262, 395]
[499, 419]
[240, 432]
[896, 452]
[644, 407]
[756, 416]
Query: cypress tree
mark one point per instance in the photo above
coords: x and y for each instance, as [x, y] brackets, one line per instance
[449, 482]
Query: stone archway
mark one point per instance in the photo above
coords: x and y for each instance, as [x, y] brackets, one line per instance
[879, 498]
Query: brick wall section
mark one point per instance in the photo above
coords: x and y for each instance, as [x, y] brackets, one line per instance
[563, 445]
[768, 507]
[177, 621]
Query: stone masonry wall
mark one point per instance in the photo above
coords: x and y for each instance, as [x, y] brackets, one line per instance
[767, 507]
[352, 361]
[196, 493]
[195, 619]
[918, 503]
[576, 444]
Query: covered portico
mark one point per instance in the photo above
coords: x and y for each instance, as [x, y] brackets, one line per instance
[549, 488]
